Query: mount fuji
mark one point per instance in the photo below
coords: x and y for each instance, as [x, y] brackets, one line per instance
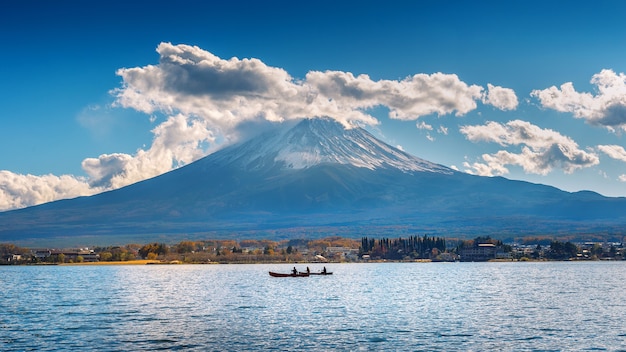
[315, 177]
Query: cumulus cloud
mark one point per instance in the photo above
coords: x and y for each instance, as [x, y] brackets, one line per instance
[501, 98]
[542, 149]
[193, 81]
[606, 108]
[18, 191]
[177, 142]
[614, 151]
[407, 99]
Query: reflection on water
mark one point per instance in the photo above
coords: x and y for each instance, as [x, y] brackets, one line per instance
[388, 306]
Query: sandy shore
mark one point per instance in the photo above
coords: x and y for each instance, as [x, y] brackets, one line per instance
[128, 262]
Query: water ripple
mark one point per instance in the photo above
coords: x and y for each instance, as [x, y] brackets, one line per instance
[388, 306]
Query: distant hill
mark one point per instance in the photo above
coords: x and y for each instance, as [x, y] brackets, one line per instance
[315, 178]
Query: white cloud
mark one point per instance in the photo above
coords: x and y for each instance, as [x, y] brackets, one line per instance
[18, 191]
[542, 149]
[102, 169]
[490, 168]
[424, 126]
[421, 125]
[407, 99]
[177, 141]
[607, 108]
[501, 98]
[226, 92]
[622, 178]
[614, 151]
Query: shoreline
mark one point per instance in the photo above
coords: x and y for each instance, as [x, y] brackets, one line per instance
[178, 262]
[127, 262]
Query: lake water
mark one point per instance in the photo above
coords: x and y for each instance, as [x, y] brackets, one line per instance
[555, 306]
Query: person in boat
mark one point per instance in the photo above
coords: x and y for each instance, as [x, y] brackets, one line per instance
[308, 271]
[324, 270]
[294, 271]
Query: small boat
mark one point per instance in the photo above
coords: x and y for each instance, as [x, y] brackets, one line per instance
[322, 273]
[274, 274]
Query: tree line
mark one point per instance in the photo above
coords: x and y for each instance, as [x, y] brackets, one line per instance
[413, 247]
[302, 250]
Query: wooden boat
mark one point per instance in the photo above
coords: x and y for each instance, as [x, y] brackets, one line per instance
[274, 274]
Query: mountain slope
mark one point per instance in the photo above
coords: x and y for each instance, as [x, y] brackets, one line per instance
[316, 174]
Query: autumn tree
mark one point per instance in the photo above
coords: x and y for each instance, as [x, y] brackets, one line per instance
[157, 248]
[187, 247]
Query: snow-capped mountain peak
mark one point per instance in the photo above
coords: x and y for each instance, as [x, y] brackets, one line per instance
[322, 141]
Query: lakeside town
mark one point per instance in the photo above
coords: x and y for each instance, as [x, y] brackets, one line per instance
[330, 249]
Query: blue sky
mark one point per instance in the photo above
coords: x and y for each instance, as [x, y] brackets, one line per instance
[86, 107]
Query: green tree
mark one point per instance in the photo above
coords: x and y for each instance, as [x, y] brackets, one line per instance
[562, 250]
[597, 250]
